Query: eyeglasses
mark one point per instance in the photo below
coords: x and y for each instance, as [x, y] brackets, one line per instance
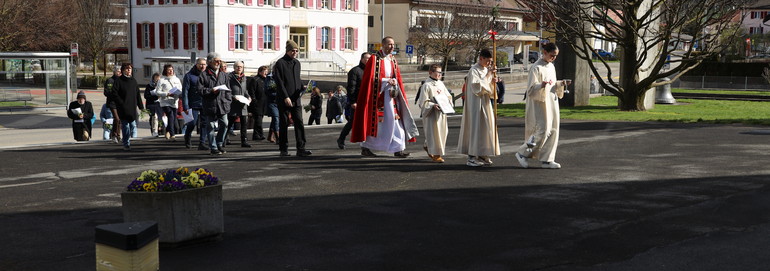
[295, 50]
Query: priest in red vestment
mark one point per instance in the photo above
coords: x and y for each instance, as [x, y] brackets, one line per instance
[382, 119]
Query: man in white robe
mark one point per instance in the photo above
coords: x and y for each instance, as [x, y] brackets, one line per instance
[541, 128]
[434, 120]
[478, 134]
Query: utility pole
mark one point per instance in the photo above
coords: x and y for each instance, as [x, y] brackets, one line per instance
[382, 18]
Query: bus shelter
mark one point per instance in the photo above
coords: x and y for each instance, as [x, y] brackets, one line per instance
[35, 79]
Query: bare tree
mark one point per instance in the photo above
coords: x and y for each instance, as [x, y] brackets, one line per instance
[647, 32]
[95, 34]
[27, 25]
[11, 11]
[438, 32]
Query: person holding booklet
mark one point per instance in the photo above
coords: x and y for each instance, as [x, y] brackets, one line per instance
[435, 101]
[478, 136]
[168, 90]
[81, 112]
[241, 99]
[217, 98]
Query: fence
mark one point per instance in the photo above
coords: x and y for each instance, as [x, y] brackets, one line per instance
[722, 82]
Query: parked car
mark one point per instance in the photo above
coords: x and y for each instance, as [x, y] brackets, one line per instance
[604, 54]
[533, 56]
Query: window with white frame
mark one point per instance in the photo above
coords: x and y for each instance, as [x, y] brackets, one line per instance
[268, 37]
[170, 35]
[145, 2]
[349, 4]
[146, 28]
[326, 38]
[298, 3]
[240, 2]
[755, 30]
[349, 32]
[240, 36]
[193, 41]
[167, 2]
[269, 2]
[325, 4]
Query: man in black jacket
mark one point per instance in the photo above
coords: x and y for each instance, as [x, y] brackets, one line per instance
[354, 83]
[256, 88]
[127, 97]
[108, 88]
[216, 102]
[286, 74]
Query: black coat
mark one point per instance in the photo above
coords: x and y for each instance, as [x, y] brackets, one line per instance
[256, 89]
[148, 97]
[215, 103]
[238, 86]
[317, 102]
[127, 98]
[355, 75]
[79, 127]
[286, 74]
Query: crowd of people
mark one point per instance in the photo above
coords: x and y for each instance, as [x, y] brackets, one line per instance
[211, 100]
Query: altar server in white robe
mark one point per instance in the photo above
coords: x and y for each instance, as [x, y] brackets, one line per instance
[478, 138]
[541, 127]
[434, 120]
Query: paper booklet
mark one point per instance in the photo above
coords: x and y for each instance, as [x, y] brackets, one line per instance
[175, 91]
[221, 87]
[444, 104]
[77, 111]
[108, 121]
[187, 117]
[242, 99]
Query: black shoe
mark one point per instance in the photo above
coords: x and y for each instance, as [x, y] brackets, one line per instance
[244, 144]
[401, 154]
[257, 138]
[222, 149]
[216, 152]
[202, 147]
[341, 144]
[227, 141]
[367, 152]
[284, 154]
[304, 153]
[187, 142]
[231, 133]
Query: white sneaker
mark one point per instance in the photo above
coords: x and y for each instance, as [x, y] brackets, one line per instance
[522, 160]
[551, 165]
[485, 160]
[473, 163]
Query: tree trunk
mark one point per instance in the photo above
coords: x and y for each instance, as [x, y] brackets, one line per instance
[93, 61]
[631, 100]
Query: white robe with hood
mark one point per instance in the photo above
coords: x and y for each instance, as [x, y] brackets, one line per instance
[542, 112]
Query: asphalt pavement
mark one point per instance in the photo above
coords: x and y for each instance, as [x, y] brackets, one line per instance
[630, 196]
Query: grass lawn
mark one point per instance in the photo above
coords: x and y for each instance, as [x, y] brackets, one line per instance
[687, 110]
[20, 103]
[730, 92]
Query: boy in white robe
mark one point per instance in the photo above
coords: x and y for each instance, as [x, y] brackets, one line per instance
[541, 127]
[478, 136]
[434, 120]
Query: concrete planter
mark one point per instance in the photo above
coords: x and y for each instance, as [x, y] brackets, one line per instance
[185, 216]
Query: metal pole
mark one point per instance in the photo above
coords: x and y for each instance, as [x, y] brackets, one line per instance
[382, 18]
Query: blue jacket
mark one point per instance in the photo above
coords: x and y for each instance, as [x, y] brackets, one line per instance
[191, 96]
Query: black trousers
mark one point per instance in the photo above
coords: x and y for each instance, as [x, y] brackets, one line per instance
[348, 126]
[299, 128]
[244, 125]
[256, 118]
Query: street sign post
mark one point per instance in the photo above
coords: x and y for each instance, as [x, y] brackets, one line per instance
[74, 49]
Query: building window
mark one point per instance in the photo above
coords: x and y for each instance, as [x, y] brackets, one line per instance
[269, 2]
[145, 2]
[146, 35]
[167, 2]
[348, 38]
[170, 35]
[299, 3]
[267, 37]
[147, 71]
[755, 30]
[240, 36]
[371, 21]
[349, 4]
[325, 38]
[193, 41]
[239, 2]
[325, 4]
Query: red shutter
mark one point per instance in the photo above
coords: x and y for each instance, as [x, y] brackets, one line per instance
[152, 35]
[276, 3]
[200, 1]
[231, 37]
[231, 2]
[318, 39]
[342, 39]
[175, 2]
[160, 2]
[343, 5]
[185, 1]
[355, 5]
[260, 37]
[139, 36]
[200, 36]
[277, 37]
[162, 31]
[249, 3]
[260, 3]
[332, 35]
[249, 38]
[334, 4]
[319, 4]
[152, 2]
[286, 3]
[176, 36]
[355, 39]
[310, 3]
[138, 2]
[186, 36]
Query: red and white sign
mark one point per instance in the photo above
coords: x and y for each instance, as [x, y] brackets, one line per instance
[74, 49]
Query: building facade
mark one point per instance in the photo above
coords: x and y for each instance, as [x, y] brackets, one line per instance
[331, 34]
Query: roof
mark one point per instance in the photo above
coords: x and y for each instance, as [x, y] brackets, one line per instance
[504, 5]
[760, 4]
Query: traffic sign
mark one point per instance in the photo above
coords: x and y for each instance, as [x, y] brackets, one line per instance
[410, 49]
[74, 49]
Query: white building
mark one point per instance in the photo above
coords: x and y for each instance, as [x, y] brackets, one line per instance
[331, 34]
